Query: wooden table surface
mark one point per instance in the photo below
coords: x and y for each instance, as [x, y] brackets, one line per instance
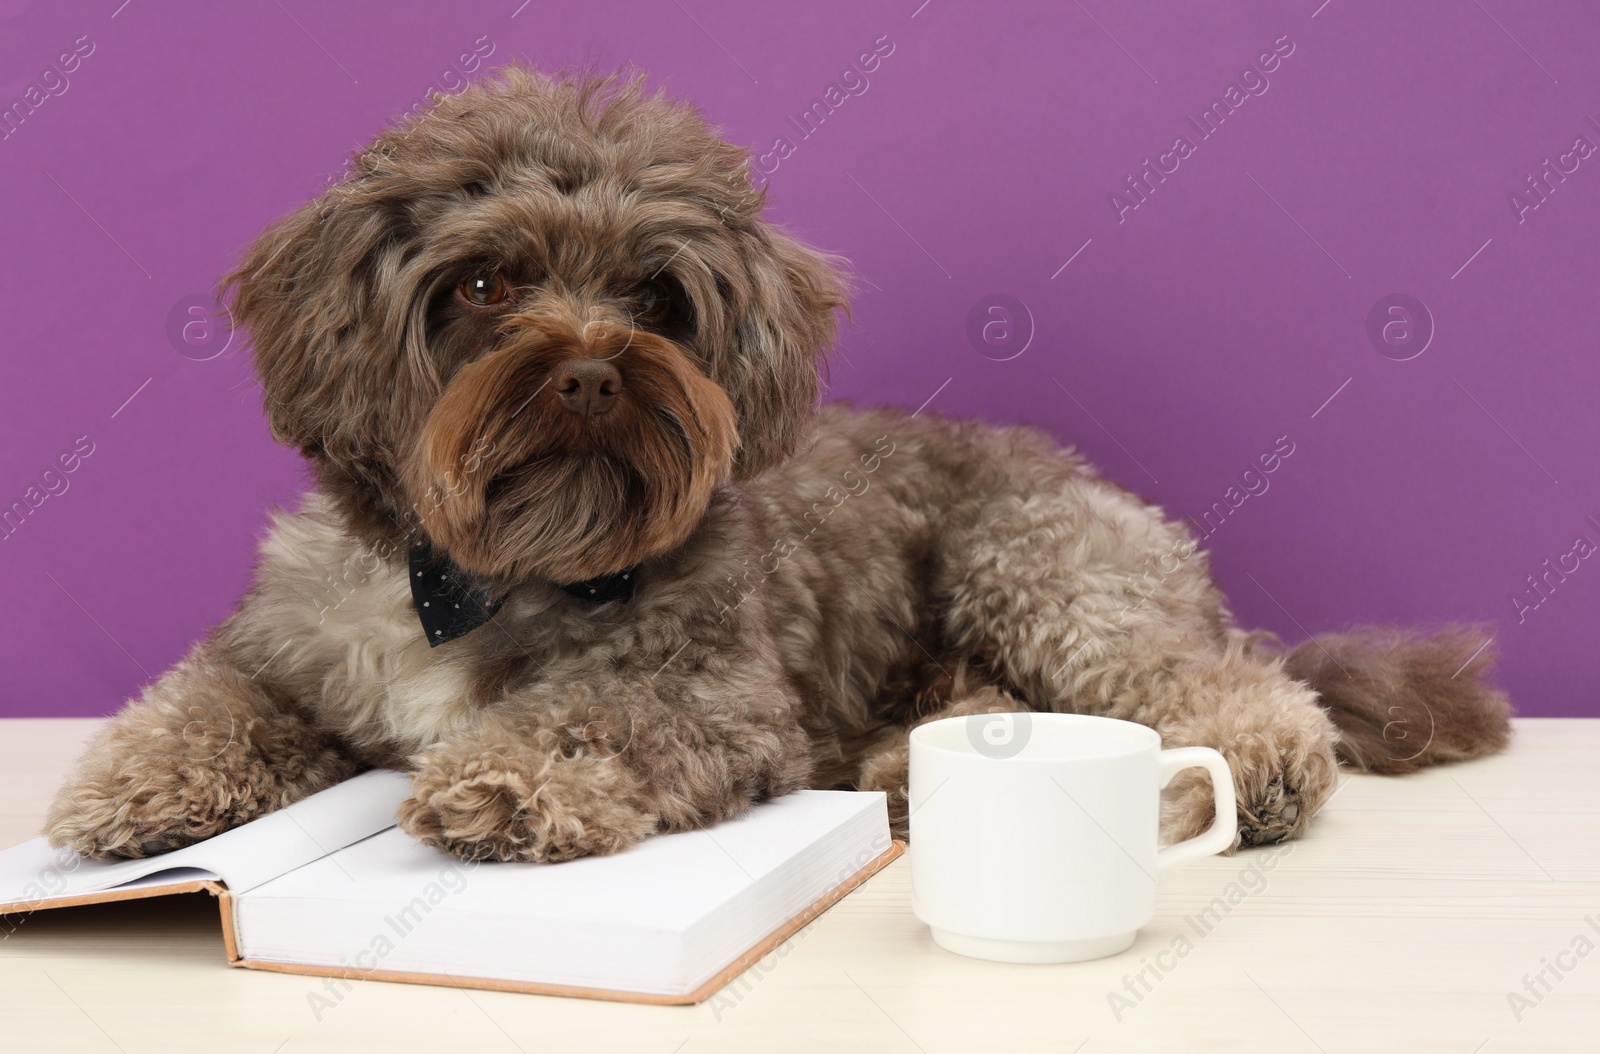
[1417, 916]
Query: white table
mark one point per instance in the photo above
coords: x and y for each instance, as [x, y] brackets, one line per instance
[1401, 924]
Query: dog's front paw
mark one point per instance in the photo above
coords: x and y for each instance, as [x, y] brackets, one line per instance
[1282, 775]
[129, 802]
[483, 804]
[193, 759]
[142, 811]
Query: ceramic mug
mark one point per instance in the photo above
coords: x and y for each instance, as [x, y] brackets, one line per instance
[1034, 837]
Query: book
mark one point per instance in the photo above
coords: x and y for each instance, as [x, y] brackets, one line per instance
[329, 886]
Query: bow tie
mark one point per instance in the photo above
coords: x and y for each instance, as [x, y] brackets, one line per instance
[450, 605]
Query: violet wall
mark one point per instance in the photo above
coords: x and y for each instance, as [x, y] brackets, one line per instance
[978, 176]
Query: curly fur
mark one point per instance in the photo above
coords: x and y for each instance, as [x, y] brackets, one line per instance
[809, 586]
[1404, 701]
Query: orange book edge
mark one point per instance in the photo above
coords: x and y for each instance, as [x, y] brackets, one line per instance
[705, 991]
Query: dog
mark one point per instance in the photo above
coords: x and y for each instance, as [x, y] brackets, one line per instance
[585, 557]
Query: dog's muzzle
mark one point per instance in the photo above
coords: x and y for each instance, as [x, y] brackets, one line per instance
[571, 453]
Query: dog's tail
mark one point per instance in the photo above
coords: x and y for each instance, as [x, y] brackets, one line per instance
[1403, 700]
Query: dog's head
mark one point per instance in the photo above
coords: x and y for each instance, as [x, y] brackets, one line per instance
[538, 324]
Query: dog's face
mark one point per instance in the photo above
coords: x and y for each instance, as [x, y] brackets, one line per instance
[539, 324]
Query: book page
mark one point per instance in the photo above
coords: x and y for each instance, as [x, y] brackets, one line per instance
[659, 917]
[666, 882]
[33, 874]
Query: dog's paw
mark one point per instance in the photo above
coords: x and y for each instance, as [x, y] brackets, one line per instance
[1282, 776]
[483, 804]
[183, 765]
[148, 805]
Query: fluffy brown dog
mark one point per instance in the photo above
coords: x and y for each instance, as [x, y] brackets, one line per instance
[541, 340]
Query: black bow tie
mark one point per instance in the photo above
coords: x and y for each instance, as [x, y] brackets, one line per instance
[605, 588]
[451, 605]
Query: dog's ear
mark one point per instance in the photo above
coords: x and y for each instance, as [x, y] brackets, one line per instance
[789, 323]
[320, 294]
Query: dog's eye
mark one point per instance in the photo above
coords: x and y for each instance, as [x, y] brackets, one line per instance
[654, 301]
[485, 290]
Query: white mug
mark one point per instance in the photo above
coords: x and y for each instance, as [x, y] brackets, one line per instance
[1034, 835]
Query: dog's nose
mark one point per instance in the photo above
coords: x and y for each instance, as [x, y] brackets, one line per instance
[587, 386]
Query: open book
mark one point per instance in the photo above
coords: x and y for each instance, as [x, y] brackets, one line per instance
[330, 886]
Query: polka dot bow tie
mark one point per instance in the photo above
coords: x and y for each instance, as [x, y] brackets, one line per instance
[450, 605]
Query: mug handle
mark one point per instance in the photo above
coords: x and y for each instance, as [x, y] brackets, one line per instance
[1219, 835]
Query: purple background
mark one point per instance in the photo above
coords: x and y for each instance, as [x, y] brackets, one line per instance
[1177, 345]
